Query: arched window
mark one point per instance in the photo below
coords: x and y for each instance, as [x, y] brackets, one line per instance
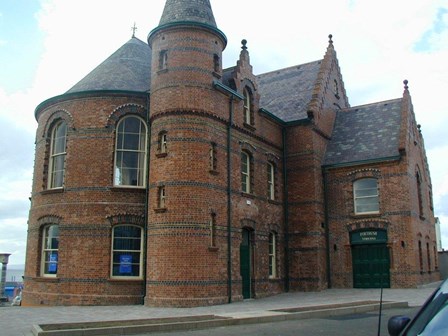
[50, 247]
[420, 256]
[271, 180]
[272, 255]
[419, 194]
[130, 152]
[366, 196]
[247, 106]
[127, 242]
[245, 172]
[57, 155]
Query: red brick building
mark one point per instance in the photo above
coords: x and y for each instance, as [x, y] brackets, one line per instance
[163, 179]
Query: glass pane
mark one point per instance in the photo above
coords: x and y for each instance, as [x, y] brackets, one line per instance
[366, 183]
[366, 192]
[126, 257]
[128, 244]
[51, 262]
[132, 125]
[131, 141]
[130, 159]
[127, 231]
[120, 139]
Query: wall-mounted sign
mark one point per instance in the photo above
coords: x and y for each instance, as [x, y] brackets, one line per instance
[368, 237]
[53, 263]
[125, 264]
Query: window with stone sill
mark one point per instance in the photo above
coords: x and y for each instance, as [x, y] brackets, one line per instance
[130, 153]
[271, 181]
[162, 148]
[50, 250]
[163, 60]
[366, 198]
[127, 242]
[58, 145]
[248, 111]
[161, 199]
[246, 172]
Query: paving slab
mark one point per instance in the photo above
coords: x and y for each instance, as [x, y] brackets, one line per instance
[18, 321]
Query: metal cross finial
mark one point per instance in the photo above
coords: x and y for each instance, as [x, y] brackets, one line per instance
[134, 28]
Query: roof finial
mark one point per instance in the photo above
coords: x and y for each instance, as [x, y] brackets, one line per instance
[244, 42]
[134, 28]
[405, 82]
[330, 37]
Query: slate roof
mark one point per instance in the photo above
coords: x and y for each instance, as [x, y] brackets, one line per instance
[199, 11]
[367, 132]
[128, 69]
[286, 93]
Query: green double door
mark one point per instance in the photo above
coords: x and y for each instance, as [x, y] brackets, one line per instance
[371, 266]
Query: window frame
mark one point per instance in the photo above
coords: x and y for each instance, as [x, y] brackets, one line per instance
[246, 173]
[271, 181]
[45, 250]
[54, 156]
[141, 152]
[247, 106]
[357, 198]
[161, 197]
[140, 251]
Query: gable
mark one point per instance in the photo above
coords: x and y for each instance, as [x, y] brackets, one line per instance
[364, 133]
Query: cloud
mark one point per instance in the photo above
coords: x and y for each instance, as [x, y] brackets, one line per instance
[436, 37]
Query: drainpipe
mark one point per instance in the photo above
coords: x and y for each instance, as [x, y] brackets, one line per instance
[327, 229]
[285, 210]
[229, 199]
[232, 95]
[146, 219]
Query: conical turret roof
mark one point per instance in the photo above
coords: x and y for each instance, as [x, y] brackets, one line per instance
[128, 69]
[188, 13]
[199, 11]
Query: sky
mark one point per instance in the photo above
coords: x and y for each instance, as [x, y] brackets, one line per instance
[47, 46]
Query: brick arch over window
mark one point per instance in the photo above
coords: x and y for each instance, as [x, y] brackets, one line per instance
[55, 117]
[364, 173]
[123, 110]
[133, 219]
[49, 219]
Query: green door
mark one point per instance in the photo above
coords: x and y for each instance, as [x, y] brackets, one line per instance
[371, 266]
[245, 264]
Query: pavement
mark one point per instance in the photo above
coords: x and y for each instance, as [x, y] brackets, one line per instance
[19, 321]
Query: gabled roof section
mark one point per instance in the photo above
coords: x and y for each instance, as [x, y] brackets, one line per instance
[199, 11]
[128, 69]
[286, 93]
[365, 133]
